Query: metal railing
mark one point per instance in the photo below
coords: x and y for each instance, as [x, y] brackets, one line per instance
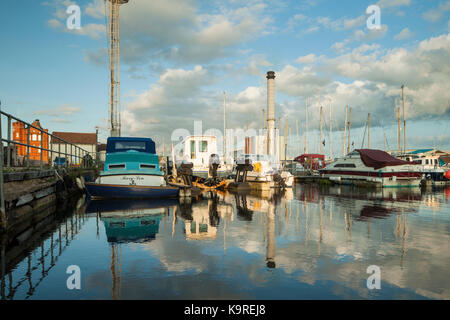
[76, 152]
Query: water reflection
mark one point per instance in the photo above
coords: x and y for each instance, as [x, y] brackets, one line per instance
[310, 242]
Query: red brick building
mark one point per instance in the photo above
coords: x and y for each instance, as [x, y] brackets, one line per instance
[36, 137]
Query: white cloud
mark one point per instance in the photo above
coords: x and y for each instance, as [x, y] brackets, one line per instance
[393, 3]
[310, 58]
[404, 34]
[435, 15]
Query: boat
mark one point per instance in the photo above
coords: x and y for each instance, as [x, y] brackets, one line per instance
[131, 171]
[372, 167]
[431, 160]
[134, 220]
[265, 176]
[198, 150]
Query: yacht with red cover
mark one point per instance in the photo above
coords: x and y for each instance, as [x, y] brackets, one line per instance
[373, 167]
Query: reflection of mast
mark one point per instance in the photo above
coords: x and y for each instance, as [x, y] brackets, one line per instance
[403, 240]
[116, 278]
[271, 237]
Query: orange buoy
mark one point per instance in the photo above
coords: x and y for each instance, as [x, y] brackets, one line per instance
[447, 174]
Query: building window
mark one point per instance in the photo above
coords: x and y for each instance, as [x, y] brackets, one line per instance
[39, 137]
[204, 146]
[17, 135]
[192, 149]
[33, 137]
[426, 161]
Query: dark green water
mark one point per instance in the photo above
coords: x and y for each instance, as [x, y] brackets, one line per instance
[309, 243]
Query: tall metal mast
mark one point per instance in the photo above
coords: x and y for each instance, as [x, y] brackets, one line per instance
[113, 26]
[224, 128]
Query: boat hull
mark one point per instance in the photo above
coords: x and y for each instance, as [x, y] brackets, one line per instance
[114, 191]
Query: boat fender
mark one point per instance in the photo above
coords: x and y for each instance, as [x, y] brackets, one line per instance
[79, 184]
[447, 174]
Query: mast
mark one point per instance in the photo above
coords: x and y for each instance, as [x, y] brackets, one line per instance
[307, 129]
[320, 125]
[224, 128]
[264, 118]
[331, 130]
[285, 139]
[368, 131]
[298, 138]
[349, 126]
[399, 129]
[345, 131]
[114, 66]
[404, 120]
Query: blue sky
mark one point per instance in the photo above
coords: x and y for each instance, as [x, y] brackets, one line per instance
[177, 58]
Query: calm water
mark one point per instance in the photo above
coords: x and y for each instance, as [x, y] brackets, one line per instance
[309, 243]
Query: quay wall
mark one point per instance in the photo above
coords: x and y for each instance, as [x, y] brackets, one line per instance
[29, 195]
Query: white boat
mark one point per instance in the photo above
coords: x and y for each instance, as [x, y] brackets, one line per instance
[266, 174]
[373, 167]
[433, 169]
[198, 150]
[131, 171]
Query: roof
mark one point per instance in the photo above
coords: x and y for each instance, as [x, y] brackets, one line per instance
[378, 159]
[122, 144]
[101, 147]
[420, 151]
[75, 137]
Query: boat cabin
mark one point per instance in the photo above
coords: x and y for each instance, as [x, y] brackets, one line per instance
[131, 154]
[197, 150]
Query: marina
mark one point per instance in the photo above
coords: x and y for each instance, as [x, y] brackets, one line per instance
[165, 183]
[312, 242]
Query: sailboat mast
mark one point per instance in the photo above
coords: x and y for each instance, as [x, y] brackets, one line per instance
[307, 129]
[331, 130]
[349, 127]
[224, 128]
[345, 131]
[399, 129]
[320, 125]
[404, 120]
[298, 138]
[285, 139]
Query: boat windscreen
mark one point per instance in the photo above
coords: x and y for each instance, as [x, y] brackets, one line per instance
[130, 145]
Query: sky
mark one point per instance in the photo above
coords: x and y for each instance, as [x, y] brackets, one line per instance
[179, 56]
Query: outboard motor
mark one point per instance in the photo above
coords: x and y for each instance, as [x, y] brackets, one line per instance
[214, 164]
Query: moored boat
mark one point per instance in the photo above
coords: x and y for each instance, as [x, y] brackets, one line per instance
[131, 171]
[373, 168]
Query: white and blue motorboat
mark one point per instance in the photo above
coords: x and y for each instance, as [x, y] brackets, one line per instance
[131, 171]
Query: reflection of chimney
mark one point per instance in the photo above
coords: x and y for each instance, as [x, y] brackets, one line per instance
[270, 258]
[270, 111]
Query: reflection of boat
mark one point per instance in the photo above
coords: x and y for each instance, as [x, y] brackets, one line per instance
[201, 219]
[130, 221]
[131, 171]
[373, 167]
